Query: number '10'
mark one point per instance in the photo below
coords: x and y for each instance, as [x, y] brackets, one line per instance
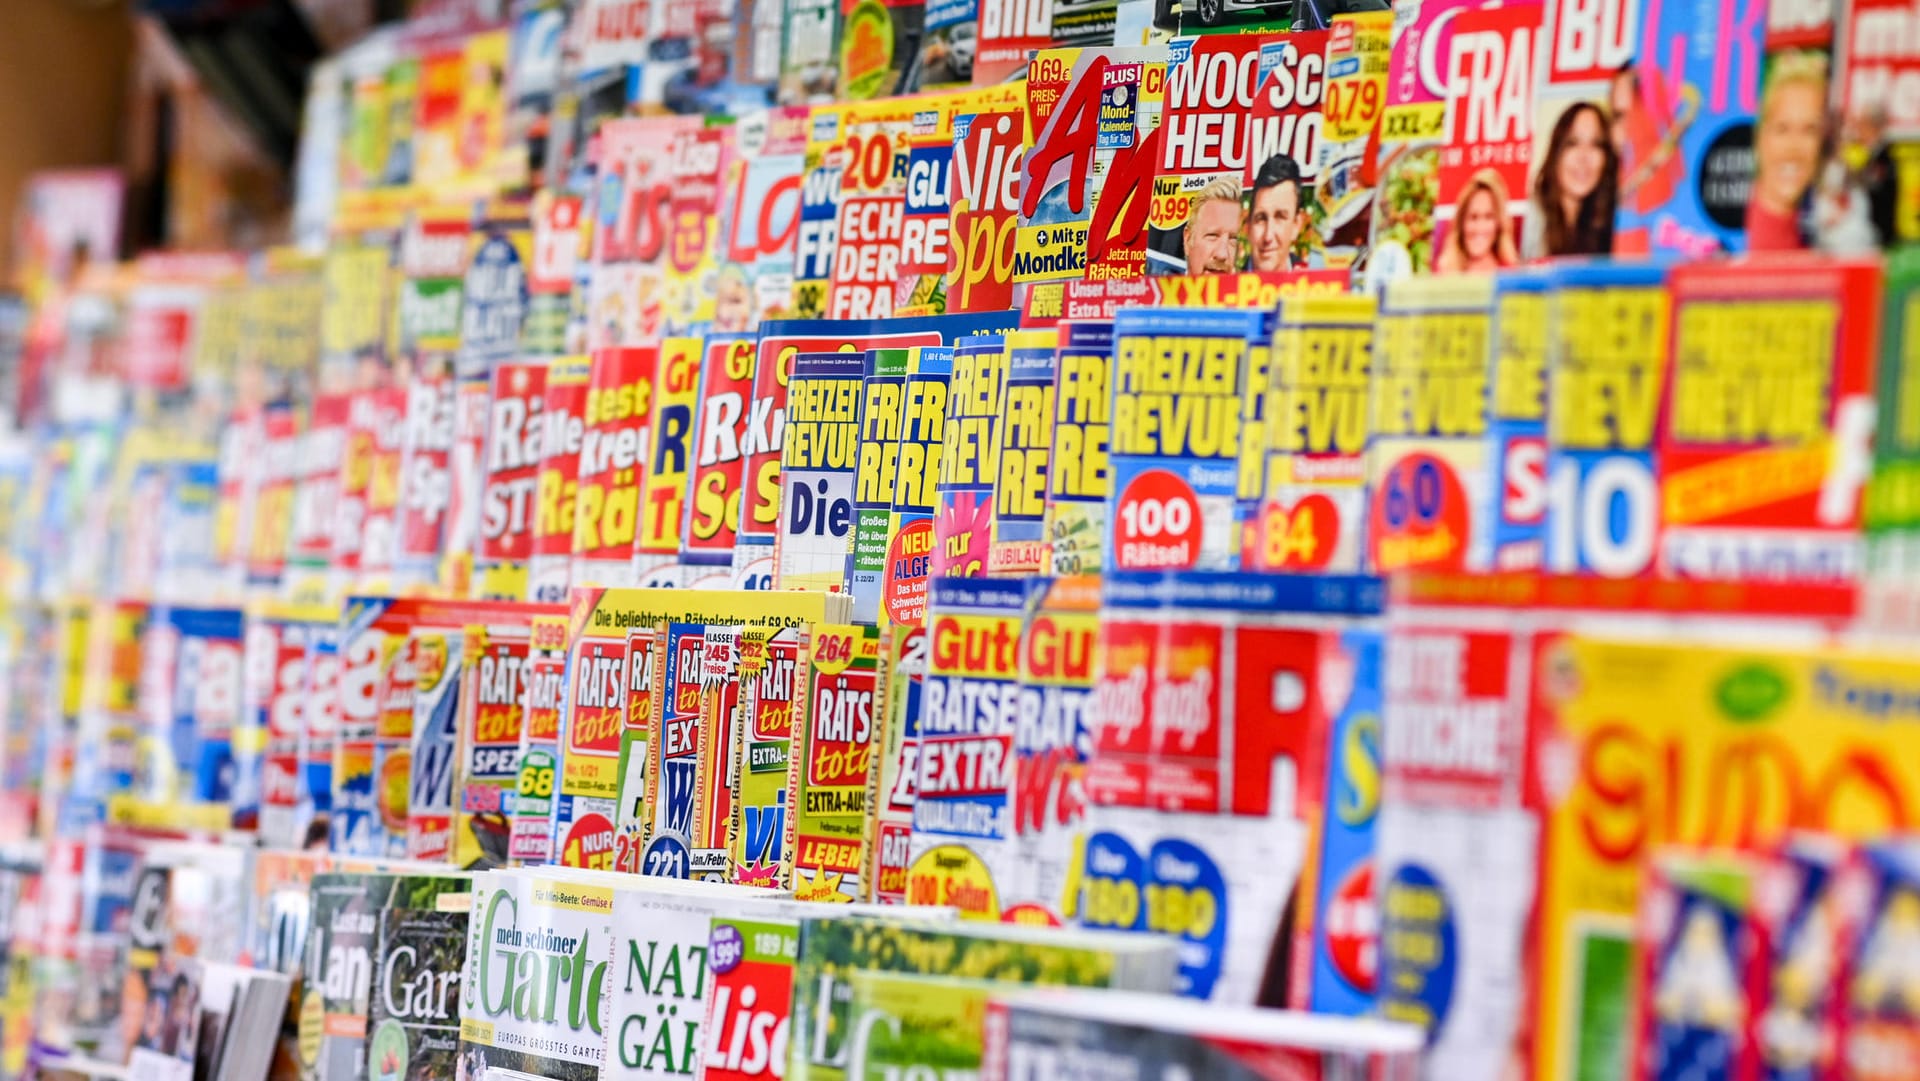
[1604, 521]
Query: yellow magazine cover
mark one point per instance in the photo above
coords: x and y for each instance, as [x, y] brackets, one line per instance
[1313, 514]
[829, 777]
[876, 476]
[656, 549]
[1019, 537]
[969, 458]
[1427, 469]
[769, 672]
[1079, 483]
[631, 810]
[1680, 744]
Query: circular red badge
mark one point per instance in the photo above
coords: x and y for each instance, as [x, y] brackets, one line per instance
[1158, 524]
[1300, 537]
[1419, 517]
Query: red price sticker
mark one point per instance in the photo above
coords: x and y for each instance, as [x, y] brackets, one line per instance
[1302, 537]
[1419, 517]
[1159, 524]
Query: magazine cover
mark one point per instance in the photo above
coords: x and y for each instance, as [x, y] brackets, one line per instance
[960, 853]
[590, 745]
[1091, 113]
[385, 486]
[1603, 412]
[984, 205]
[722, 690]
[1052, 740]
[1286, 225]
[818, 472]
[275, 674]
[1869, 1022]
[896, 773]
[1019, 544]
[531, 994]
[431, 269]
[438, 662]
[276, 660]
[495, 297]
[316, 471]
[466, 477]
[769, 672]
[1404, 160]
[321, 725]
[342, 947]
[1457, 841]
[1079, 482]
[632, 813]
[510, 481]
[628, 301]
[1890, 514]
[1694, 178]
[1768, 364]
[616, 422]
[913, 1023]
[673, 750]
[1814, 713]
[1487, 140]
[1877, 127]
[530, 829]
[1335, 960]
[426, 484]
[662, 977]
[1215, 681]
[1427, 447]
[552, 261]
[1801, 938]
[877, 477]
[1174, 444]
[1011, 31]
[747, 1022]
[700, 163]
[969, 458]
[760, 216]
[1697, 952]
[809, 69]
[879, 48]
[716, 474]
[1198, 223]
[849, 197]
[563, 411]
[414, 1015]
[376, 688]
[830, 775]
[1359, 54]
[780, 342]
[492, 698]
[1583, 94]
[824, 1021]
[1515, 501]
[910, 522]
[676, 394]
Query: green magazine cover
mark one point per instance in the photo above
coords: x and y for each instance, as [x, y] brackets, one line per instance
[832, 951]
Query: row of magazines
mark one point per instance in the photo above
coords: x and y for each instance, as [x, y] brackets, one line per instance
[414, 973]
